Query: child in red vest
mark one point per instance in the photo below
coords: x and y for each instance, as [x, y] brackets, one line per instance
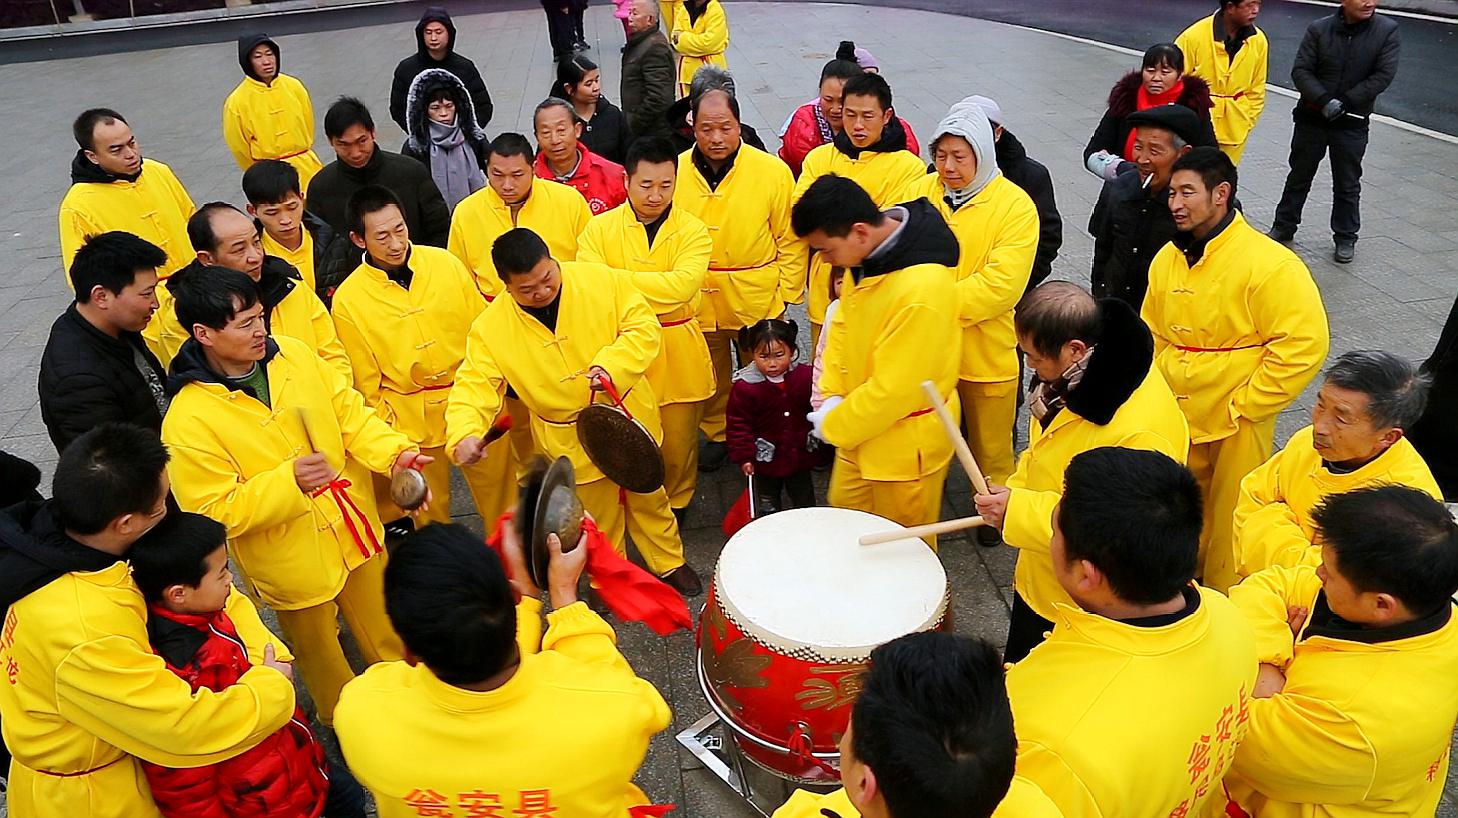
[204, 631]
[767, 432]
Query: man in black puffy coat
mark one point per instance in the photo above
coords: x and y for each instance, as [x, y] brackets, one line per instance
[435, 39]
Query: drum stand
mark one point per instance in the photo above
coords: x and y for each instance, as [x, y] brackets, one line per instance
[721, 756]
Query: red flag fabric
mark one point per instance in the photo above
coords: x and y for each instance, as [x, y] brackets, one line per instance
[629, 592]
[738, 515]
[651, 810]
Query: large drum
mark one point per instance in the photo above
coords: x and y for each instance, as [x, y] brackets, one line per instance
[794, 610]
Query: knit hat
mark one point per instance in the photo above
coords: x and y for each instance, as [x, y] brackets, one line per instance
[866, 59]
[989, 107]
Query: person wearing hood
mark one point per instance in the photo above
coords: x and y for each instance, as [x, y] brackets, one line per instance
[1239, 331]
[402, 290]
[1131, 220]
[224, 237]
[896, 328]
[743, 195]
[291, 232]
[1079, 401]
[515, 197]
[646, 86]
[819, 120]
[269, 115]
[443, 134]
[1230, 53]
[664, 251]
[1033, 177]
[360, 162]
[276, 444]
[1160, 81]
[870, 150]
[1358, 657]
[87, 698]
[113, 189]
[996, 226]
[700, 35]
[563, 158]
[435, 39]
[605, 129]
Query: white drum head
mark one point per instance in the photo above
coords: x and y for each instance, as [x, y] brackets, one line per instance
[799, 581]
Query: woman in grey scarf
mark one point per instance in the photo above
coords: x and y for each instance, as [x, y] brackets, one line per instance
[444, 135]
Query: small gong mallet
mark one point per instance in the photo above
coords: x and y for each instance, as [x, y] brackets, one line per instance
[959, 443]
[918, 531]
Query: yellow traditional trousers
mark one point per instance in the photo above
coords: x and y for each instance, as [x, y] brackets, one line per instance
[989, 411]
[313, 635]
[1233, 151]
[681, 450]
[644, 517]
[523, 445]
[721, 354]
[1220, 465]
[908, 502]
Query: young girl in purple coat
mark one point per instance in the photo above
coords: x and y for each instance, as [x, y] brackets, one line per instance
[768, 434]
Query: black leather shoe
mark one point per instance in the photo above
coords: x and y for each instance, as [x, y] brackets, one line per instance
[988, 537]
[1284, 235]
[713, 456]
[684, 580]
[1346, 249]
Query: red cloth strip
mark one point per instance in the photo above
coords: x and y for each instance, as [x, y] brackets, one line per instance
[336, 489]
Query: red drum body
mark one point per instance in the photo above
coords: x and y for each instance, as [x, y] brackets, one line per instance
[794, 610]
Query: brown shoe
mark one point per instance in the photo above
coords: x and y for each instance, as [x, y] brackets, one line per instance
[684, 580]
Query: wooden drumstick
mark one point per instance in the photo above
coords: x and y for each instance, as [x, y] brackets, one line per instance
[930, 529]
[959, 443]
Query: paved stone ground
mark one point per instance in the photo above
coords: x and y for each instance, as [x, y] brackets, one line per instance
[1395, 296]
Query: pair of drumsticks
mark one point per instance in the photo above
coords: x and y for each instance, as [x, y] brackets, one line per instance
[964, 454]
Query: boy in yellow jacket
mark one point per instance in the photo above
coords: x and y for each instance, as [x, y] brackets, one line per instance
[1239, 331]
[1356, 439]
[665, 253]
[1355, 706]
[87, 697]
[931, 733]
[287, 229]
[223, 236]
[1136, 703]
[275, 444]
[269, 115]
[699, 31]
[1227, 51]
[996, 226]
[566, 329]
[743, 195]
[403, 316]
[1094, 385]
[895, 329]
[870, 150]
[514, 197]
[498, 718]
[112, 189]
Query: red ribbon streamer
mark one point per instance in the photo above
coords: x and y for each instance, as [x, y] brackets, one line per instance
[336, 489]
[629, 592]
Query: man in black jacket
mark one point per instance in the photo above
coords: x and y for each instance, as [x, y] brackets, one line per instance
[1346, 59]
[650, 72]
[96, 368]
[435, 39]
[1132, 219]
[361, 162]
[1030, 175]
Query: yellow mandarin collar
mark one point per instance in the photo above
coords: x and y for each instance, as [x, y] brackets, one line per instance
[1074, 625]
[457, 700]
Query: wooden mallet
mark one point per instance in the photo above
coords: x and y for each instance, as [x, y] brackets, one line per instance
[959, 443]
[917, 531]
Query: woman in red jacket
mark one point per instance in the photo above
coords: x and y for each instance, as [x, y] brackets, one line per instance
[768, 434]
[818, 121]
[181, 567]
[1161, 80]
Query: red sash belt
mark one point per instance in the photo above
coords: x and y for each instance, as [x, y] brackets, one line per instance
[1236, 95]
[83, 772]
[436, 388]
[292, 155]
[336, 489]
[1217, 349]
[678, 323]
[739, 269]
[918, 413]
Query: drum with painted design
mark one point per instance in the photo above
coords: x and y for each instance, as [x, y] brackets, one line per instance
[794, 610]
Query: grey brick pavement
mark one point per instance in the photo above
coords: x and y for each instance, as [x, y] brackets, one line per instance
[1395, 296]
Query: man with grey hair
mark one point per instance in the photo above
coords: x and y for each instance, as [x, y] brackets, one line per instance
[681, 113]
[1357, 438]
[1132, 219]
[650, 72]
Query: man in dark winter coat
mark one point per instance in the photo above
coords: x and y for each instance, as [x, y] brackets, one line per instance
[1132, 219]
[1346, 59]
[435, 38]
[96, 368]
[650, 72]
[361, 162]
[1436, 435]
[1030, 175]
